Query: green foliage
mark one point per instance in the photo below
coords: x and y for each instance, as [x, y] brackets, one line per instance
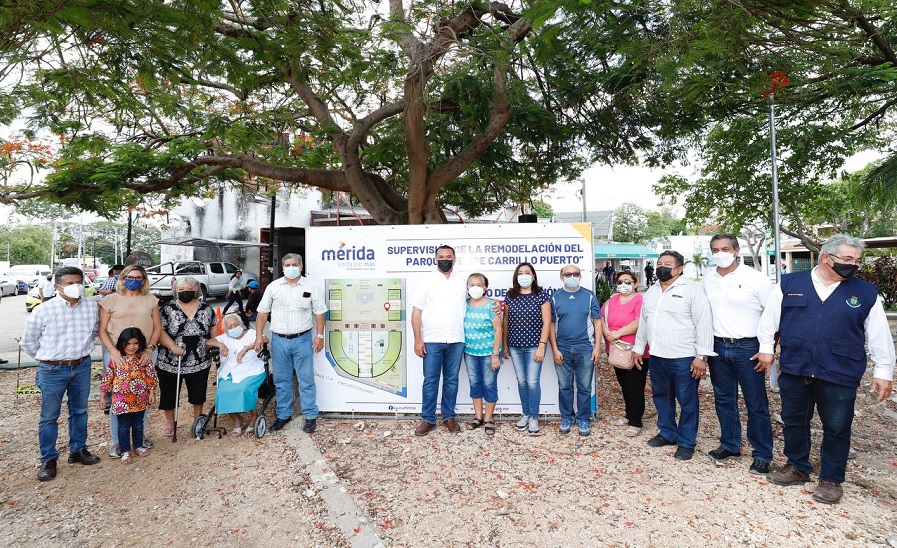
[602, 289]
[29, 244]
[882, 272]
[630, 223]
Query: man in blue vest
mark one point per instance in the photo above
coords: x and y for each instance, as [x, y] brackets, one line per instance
[824, 317]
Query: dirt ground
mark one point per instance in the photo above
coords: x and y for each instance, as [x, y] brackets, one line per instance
[441, 490]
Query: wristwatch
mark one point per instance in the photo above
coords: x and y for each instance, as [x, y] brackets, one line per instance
[320, 335]
[702, 358]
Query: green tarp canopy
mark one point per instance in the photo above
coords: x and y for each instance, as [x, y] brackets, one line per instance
[623, 251]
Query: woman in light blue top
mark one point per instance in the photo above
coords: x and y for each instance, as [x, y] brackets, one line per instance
[482, 346]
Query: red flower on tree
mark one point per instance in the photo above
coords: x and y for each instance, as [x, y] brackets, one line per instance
[777, 81]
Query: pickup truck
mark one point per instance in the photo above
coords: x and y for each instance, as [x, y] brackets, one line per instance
[212, 276]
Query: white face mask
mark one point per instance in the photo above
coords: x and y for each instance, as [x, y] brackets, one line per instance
[723, 259]
[475, 291]
[291, 272]
[525, 280]
[235, 332]
[75, 291]
[624, 288]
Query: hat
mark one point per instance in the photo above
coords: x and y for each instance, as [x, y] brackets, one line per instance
[252, 284]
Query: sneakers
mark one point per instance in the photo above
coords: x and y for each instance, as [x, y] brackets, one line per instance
[827, 492]
[114, 453]
[721, 454]
[584, 429]
[147, 444]
[566, 424]
[310, 426]
[684, 453]
[523, 423]
[659, 441]
[789, 475]
[759, 468]
[533, 426]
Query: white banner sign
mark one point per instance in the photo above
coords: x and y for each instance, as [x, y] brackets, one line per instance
[367, 274]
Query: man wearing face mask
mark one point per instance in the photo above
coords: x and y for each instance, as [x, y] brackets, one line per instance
[737, 293]
[437, 319]
[59, 335]
[296, 309]
[825, 318]
[576, 351]
[676, 323]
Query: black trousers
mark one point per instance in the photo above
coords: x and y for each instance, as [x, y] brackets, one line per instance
[632, 383]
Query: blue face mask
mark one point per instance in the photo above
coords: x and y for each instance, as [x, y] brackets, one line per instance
[234, 332]
[571, 283]
[291, 272]
[133, 285]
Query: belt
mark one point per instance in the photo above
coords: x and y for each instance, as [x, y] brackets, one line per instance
[733, 341]
[67, 363]
[292, 335]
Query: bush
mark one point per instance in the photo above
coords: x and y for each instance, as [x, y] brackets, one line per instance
[602, 289]
[882, 272]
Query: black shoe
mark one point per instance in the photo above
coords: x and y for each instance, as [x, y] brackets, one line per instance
[684, 453]
[310, 425]
[84, 457]
[280, 423]
[47, 471]
[759, 468]
[659, 441]
[721, 454]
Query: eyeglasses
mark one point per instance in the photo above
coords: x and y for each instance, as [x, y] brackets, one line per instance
[848, 260]
[571, 274]
[134, 279]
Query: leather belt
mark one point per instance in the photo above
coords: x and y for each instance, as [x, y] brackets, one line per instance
[292, 335]
[67, 363]
[733, 341]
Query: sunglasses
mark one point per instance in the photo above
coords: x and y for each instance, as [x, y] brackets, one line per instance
[571, 274]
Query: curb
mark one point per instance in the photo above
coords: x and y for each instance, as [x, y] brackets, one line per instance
[347, 516]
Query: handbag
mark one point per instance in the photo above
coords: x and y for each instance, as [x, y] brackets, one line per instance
[619, 353]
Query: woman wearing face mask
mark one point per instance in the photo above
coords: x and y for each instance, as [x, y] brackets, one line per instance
[132, 305]
[526, 328]
[482, 344]
[187, 326]
[621, 312]
[240, 374]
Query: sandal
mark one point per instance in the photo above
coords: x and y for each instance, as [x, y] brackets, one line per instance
[474, 423]
[168, 431]
[236, 432]
[249, 432]
[490, 430]
[141, 451]
[126, 458]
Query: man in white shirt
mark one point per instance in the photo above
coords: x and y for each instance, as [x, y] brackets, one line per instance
[297, 332]
[676, 324]
[47, 288]
[437, 319]
[736, 293]
[826, 319]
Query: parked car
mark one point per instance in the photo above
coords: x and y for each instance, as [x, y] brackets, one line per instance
[8, 287]
[22, 286]
[213, 277]
[30, 273]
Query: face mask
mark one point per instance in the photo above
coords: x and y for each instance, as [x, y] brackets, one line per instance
[133, 285]
[571, 283]
[475, 291]
[75, 291]
[445, 265]
[525, 280]
[845, 270]
[624, 288]
[186, 296]
[664, 273]
[235, 332]
[723, 260]
[291, 272]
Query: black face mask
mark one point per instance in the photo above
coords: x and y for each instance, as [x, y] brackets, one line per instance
[445, 265]
[664, 273]
[186, 296]
[845, 270]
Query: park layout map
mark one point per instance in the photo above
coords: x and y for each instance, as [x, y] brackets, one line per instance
[366, 328]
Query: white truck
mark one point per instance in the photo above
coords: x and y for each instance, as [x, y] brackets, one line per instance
[212, 276]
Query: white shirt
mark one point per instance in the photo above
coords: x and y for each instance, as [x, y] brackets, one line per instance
[736, 300]
[442, 302]
[48, 287]
[675, 323]
[293, 307]
[878, 332]
[251, 365]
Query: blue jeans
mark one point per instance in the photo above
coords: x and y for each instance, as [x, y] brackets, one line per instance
[578, 366]
[671, 381]
[441, 359]
[529, 373]
[113, 419]
[483, 379]
[54, 382]
[288, 355]
[235, 298]
[733, 367]
[835, 404]
[130, 424]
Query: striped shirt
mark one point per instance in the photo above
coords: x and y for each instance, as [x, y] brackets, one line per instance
[675, 323]
[57, 330]
[293, 307]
